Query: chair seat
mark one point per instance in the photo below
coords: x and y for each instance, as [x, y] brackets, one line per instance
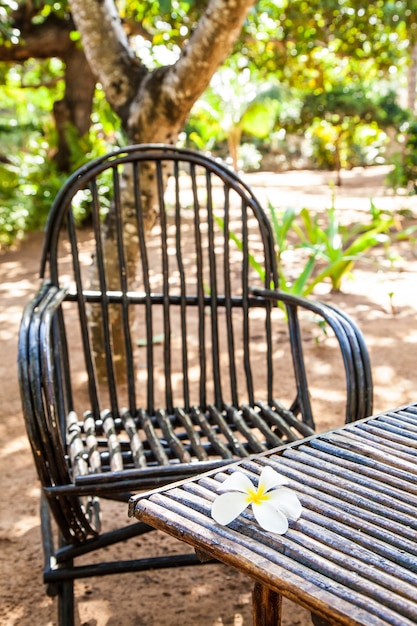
[181, 438]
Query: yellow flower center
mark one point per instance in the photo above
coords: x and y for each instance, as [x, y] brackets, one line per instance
[257, 496]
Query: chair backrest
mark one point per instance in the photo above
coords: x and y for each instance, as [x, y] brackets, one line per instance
[172, 307]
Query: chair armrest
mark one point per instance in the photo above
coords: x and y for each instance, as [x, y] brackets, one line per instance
[42, 437]
[42, 350]
[351, 342]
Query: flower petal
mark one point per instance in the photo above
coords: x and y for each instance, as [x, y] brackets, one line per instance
[269, 479]
[269, 518]
[238, 481]
[286, 501]
[228, 506]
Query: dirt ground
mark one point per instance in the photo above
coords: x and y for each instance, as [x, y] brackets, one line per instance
[381, 297]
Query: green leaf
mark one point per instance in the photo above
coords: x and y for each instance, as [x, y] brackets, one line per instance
[258, 119]
[75, 35]
[299, 285]
[281, 223]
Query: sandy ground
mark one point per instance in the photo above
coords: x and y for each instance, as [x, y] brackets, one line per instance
[381, 297]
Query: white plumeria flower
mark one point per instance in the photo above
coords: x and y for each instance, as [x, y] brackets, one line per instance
[271, 507]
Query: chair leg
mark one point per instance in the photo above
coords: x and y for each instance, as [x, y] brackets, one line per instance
[64, 590]
[66, 604]
[266, 605]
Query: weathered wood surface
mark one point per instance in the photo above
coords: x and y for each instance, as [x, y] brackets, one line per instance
[267, 606]
[352, 556]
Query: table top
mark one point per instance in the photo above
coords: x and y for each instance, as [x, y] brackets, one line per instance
[352, 555]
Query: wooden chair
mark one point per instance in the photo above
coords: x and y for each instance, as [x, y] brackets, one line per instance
[144, 359]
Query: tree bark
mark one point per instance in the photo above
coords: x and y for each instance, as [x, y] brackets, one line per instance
[49, 39]
[108, 52]
[76, 106]
[412, 78]
[153, 106]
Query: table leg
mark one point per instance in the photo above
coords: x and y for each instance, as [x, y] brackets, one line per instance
[320, 621]
[267, 605]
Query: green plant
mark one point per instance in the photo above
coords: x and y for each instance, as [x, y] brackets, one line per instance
[29, 173]
[338, 246]
[332, 248]
[25, 197]
[282, 224]
[235, 104]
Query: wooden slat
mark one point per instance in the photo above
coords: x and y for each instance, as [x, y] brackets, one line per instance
[352, 556]
[281, 424]
[171, 438]
[136, 446]
[75, 445]
[115, 452]
[236, 445]
[152, 438]
[320, 456]
[254, 442]
[193, 435]
[210, 433]
[110, 444]
[262, 561]
[94, 458]
[256, 419]
[289, 418]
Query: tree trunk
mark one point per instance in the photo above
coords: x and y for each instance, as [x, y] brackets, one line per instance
[338, 164]
[76, 106]
[412, 79]
[234, 137]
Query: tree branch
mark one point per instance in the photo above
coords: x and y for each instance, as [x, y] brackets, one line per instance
[167, 94]
[107, 49]
[209, 45]
[41, 41]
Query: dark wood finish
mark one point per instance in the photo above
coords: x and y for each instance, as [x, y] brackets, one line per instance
[352, 556]
[193, 308]
[267, 606]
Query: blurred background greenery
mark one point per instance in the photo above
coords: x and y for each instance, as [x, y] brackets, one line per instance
[316, 84]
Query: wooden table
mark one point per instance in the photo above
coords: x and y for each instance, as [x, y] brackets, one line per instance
[352, 556]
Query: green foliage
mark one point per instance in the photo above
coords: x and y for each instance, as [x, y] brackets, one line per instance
[346, 124]
[29, 178]
[308, 41]
[325, 249]
[28, 185]
[331, 55]
[338, 57]
[234, 104]
[344, 117]
[337, 246]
